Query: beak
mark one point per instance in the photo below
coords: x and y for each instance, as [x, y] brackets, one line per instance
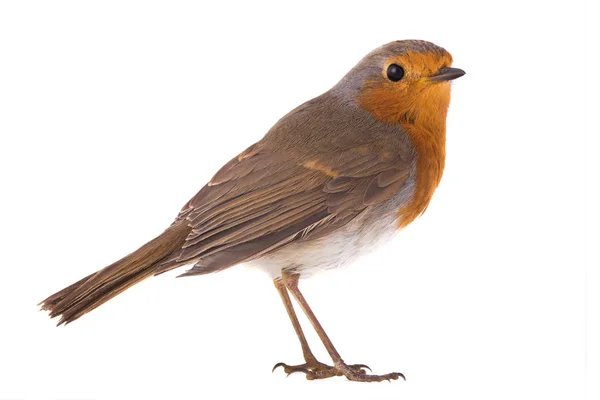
[447, 74]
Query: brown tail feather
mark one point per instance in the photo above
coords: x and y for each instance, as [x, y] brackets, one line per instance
[92, 291]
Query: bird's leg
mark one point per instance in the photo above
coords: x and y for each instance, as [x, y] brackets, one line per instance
[339, 366]
[311, 365]
[285, 297]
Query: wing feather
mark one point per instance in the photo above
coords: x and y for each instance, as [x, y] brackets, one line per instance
[260, 201]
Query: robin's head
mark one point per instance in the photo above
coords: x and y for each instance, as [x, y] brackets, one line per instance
[404, 82]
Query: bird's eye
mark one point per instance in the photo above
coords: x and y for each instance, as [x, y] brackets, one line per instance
[395, 72]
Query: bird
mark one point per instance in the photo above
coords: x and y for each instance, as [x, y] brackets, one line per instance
[330, 181]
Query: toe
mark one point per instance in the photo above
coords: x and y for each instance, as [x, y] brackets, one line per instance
[291, 370]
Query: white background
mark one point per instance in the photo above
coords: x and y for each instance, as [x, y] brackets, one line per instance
[113, 114]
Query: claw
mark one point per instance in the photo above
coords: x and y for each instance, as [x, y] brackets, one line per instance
[394, 376]
[279, 364]
[290, 369]
[360, 366]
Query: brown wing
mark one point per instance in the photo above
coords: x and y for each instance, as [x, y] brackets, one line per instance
[260, 201]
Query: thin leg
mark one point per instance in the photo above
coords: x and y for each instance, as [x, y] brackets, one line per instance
[287, 302]
[291, 283]
[311, 363]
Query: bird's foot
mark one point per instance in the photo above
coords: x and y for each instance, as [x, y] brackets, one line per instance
[352, 375]
[318, 370]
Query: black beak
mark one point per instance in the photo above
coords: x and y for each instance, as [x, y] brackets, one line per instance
[447, 74]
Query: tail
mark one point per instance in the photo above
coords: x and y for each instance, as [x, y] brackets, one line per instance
[93, 290]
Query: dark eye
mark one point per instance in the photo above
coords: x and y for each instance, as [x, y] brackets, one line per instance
[395, 72]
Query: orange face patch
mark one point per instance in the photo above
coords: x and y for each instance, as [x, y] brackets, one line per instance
[420, 106]
[421, 64]
[395, 102]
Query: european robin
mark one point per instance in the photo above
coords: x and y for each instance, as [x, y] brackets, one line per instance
[332, 178]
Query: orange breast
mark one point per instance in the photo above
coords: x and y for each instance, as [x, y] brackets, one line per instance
[430, 166]
[421, 111]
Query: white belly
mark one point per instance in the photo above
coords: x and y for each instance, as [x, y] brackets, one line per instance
[362, 235]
